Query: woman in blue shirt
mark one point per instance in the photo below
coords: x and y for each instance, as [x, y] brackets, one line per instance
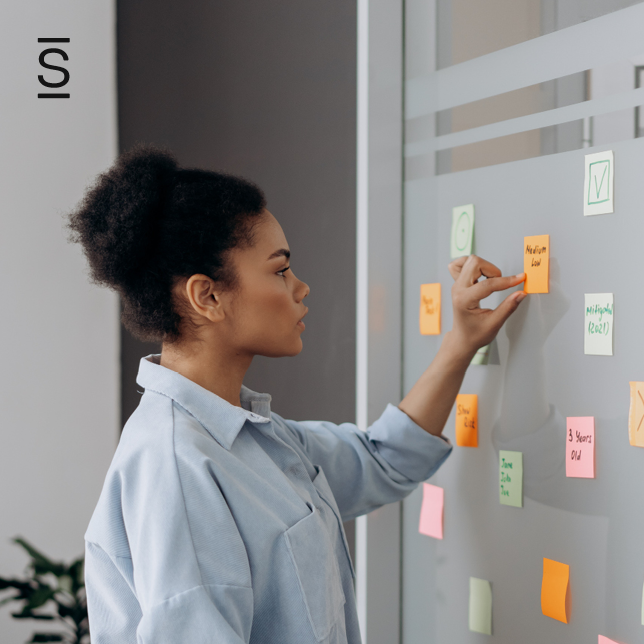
[219, 521]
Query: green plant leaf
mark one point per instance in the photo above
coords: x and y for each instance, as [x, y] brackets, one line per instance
[30, 615]
[41, 563]
[75, 571]
[40, 597]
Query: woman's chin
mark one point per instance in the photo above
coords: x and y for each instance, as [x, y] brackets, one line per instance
[289, 351]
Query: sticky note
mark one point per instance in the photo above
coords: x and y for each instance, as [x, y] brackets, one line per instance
[598, 324]
[580, 447]
[511, 478]
[462, 231]
[606, 640]
[599, 180]
[467, 433]
[430, 309]
[636, 415]
[431, 511]
[536, 263]
[480, 606]
[482, 356]
[553, 589]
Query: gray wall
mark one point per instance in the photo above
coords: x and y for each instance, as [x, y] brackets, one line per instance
[265, 90]
[60, 369]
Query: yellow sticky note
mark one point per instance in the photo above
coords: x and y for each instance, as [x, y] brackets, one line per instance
[467, 431]
[636, 415]
[430, 309]
[554, 587]
[536, 263]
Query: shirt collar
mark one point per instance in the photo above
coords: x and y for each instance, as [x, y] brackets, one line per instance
[221, 419]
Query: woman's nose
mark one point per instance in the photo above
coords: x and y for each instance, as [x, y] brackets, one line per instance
[302, 291]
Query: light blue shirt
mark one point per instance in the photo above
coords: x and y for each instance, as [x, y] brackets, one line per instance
[220, 524]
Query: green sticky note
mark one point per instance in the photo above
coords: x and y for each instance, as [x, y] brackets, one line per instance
[462, 231]
[511, 478]
[480, 606]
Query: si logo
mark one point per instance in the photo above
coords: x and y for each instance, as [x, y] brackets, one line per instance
[42, 59]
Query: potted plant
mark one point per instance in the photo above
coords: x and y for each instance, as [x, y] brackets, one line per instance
[50, 584]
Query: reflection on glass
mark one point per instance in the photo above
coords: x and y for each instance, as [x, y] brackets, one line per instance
[467, 29]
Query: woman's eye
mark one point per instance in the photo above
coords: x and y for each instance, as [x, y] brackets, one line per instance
[281, 273]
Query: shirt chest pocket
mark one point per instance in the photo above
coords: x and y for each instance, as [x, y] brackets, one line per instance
[317, 572]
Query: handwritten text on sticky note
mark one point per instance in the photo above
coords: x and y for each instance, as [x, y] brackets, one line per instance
[480, 606]
[431, 511]
[580, 447]
[467, 420]
[598, 324]
[536, 263]
[554, 587]
[430, 309]
[511, 478]
[636, 415]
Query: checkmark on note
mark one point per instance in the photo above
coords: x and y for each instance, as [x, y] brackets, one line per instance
[599, 193]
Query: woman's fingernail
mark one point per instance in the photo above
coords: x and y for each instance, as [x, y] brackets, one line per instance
[520, 276]
[520, 296]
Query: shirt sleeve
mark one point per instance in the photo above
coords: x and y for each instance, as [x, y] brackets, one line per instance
[366, 470]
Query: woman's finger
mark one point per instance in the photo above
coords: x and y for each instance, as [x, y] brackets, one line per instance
[456, 266]
[484, 288]
[504, 310]
[476, 267]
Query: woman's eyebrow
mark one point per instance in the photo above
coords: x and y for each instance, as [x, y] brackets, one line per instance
[279, 253]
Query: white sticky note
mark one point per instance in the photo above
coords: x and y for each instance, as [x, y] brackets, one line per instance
[598, 324]
[462, 238]
[599, 193]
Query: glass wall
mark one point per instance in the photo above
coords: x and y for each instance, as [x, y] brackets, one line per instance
[503, 100]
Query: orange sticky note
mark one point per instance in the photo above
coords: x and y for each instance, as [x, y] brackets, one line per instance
[553, 589]
[636, 415]
[536, 263]
[430, 309]
[467, 430]
[431, 512]
[605, 640]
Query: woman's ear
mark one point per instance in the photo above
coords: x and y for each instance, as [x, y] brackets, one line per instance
[204, 296]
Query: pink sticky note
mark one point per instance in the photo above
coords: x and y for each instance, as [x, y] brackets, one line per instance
[605, 640]
[580, 447]
[431, 512]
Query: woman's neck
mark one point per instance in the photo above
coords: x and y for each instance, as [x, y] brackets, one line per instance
[214, 368]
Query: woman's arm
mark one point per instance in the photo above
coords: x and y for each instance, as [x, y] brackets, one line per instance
[430, 400]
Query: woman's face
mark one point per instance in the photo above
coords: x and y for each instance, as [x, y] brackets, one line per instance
[265, 311]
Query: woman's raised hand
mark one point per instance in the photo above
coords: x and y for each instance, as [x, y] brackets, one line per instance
[473, 326]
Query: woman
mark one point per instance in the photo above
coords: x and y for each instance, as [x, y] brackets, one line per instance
[220, 521]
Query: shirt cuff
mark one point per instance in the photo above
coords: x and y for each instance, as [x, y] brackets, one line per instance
[408, 448]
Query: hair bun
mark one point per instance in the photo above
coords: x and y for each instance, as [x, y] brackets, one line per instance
[120, 214]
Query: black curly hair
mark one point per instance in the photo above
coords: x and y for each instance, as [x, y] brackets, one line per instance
[145, 223]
